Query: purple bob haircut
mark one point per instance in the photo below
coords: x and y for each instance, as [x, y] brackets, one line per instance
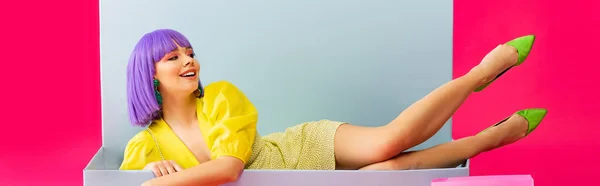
[151, 48]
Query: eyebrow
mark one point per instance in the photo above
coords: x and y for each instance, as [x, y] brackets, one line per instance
[187, 48]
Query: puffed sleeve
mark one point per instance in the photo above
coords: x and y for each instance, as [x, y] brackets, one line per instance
[139, 152]
[229, 121]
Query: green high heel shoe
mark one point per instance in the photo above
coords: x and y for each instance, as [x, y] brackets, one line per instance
[523, 45]
[533, 116]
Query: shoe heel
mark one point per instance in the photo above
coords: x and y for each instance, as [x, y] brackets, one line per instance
[534, 117]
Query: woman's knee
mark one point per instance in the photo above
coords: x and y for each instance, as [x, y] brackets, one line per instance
[386, 144]
[360, 146]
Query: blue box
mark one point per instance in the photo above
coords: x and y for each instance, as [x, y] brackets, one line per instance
[361, 62]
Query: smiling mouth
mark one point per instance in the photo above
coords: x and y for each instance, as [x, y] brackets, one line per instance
[189, 74]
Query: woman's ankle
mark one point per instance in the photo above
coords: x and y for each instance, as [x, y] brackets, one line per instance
[475, 78]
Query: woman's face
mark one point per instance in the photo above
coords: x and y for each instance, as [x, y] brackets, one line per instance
[178, 72]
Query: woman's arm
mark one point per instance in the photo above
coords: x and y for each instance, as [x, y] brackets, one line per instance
[228, 124]
[215, 172]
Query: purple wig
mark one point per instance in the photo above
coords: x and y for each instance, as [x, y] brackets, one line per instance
[151, 48]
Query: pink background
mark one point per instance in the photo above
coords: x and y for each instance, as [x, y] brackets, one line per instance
[50, 98]
[560, 75]
[58, 42]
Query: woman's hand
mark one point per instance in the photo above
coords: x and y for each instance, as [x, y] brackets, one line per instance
[220, 171]
[163, 168]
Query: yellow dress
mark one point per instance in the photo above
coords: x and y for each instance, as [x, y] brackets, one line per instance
[227, 122]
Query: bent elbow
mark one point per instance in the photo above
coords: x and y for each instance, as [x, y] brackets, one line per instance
[233, 176]
[232, 168]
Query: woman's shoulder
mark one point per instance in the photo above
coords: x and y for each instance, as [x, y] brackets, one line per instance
[229, 121]
[222, 85]
[139, 152]
[140, 142]
[222, 89]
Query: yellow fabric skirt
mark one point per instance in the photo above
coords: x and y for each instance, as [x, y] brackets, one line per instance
[307, 146]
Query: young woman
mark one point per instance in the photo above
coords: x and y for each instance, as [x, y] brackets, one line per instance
[207, 135]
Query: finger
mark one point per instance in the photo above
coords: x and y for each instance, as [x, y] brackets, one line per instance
[176, 166]
[156, 171]
[152, 167]
[162, 168]
[169, 167]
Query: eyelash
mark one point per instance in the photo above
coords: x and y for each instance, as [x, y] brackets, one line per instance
[192, 55]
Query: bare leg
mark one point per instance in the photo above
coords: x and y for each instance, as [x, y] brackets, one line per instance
[453, 153]
[357, 146]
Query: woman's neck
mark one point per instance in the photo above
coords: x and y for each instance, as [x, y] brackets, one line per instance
[180, 111]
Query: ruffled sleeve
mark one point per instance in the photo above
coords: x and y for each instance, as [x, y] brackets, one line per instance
[140, 151]
[228, 121]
